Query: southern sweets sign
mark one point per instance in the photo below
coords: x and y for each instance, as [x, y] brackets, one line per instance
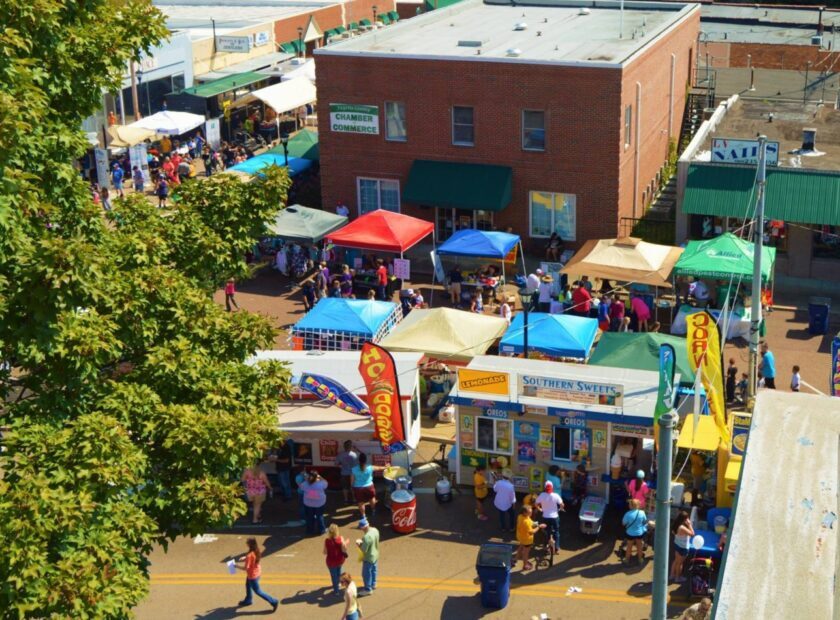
[353, 118]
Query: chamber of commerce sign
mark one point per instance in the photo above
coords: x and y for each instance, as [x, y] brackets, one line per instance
[353, 118]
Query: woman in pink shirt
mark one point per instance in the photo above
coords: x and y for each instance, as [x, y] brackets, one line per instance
[642, 312]
[638, 488]
[230, 291]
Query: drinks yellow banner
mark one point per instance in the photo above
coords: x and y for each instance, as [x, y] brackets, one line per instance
[703, 341]
[483, 381]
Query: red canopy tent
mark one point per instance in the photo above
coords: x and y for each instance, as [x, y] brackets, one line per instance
[382, 230]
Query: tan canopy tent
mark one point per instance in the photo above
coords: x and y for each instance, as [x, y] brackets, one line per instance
[626, 259]
[128, 135]
[445, 333]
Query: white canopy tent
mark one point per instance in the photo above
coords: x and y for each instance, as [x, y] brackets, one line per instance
[306, 70]
[169, 122]
[287, 95]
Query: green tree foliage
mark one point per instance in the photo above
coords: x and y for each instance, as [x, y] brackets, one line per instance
[129, 410]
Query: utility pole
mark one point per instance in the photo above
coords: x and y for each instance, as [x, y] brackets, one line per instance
[805, 89]
[659, 605]
[758, 246]
[135, 101]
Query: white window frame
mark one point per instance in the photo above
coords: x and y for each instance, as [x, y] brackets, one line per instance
[572, 430]
[526, 148]
[378, 193]
[388, 137]
[553, 199]
[496, 422]
[452, 124]
[628, 125]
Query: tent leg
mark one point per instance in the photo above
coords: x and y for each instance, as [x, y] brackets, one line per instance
[522, 253]
[434, 272]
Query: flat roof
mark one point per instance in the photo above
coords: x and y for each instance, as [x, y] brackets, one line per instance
[343, 366]
[315, 417]
[640, 386]
[746, 119]
[786, 510]
[765, 24]
[558, 32]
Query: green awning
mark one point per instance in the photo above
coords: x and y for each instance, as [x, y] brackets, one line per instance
[341, 29]
[288, 48]
[640, 352]
[792, 195]
[225, 84]
[365, 22]
[303, 144]
[464, 186]
[354, 26]
[725, 257]
[395, 17]
[384, 19]
[439, 4]
[328, 34]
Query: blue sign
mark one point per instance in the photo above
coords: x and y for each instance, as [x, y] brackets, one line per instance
[333, 392]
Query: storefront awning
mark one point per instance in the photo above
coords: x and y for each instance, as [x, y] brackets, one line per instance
[706, 437]
[225, 84]
[479, 187]
[287, 95]
[803, 196]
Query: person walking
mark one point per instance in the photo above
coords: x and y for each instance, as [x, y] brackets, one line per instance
[347, 460]
[683, 532]
[455, 280]
[767, 367]
[481, 492]
[351, 594]
[369, 546]
[551, 505]
[361, 478]
[638, 489]
[504, 501]
[635, 527]
[314, 500]
[731, 380]
[581, 300]
[230, 292]
[252, 569]
[795, 380]
[117, 175]
[138, 179]
[544, 293]
[335, 550]
[162, 192]
[256, 487]
[640, 309]
[381, 280]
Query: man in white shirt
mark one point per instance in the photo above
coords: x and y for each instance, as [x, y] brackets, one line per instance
[532, 286]
[546, 283]
[504, 501]
[550, 504]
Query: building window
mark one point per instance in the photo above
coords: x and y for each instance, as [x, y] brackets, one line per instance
[494, 435]
[628, 126]
[463, 128]
[826, 242]
[395, 121]
[378, 194]
[177, 83]
[533, 130]
[551, 212]
[570, 443]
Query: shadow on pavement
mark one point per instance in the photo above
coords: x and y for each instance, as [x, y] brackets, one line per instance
[464, 607]
[322, 597]
[223, 613]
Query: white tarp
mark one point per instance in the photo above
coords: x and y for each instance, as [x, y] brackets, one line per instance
[287, 96]
[170, 123]
[306, 70]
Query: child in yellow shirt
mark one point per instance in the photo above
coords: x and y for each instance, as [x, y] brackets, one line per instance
[481, 492]
[525, 530]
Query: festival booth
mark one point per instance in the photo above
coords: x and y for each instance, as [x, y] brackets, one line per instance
[483, 244]
[728, 260]
[169, 123]
[124, 136]
[295, 233]
[287, 96]
[318, 418]
[526, 415]
[255, 165]
[304, 145]
[382, 231]
[338, 324]
[550, 336]
[641, 352]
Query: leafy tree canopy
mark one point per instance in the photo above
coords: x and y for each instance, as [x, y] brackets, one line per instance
[129, 410]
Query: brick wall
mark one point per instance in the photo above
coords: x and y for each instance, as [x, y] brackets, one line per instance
[357, 10]
[584, 121]
[285, 30]
[769, 56]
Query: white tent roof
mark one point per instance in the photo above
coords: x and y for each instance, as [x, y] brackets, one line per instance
[287, 95]
[169, 122]
[306, 70]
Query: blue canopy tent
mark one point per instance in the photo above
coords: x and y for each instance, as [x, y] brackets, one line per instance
[338, 324]
[255, 164]
[483, 244]
[555, 335]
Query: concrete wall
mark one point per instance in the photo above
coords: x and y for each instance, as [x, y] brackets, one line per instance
[205, 60]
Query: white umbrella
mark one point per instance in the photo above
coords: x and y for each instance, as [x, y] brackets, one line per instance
[170, 123]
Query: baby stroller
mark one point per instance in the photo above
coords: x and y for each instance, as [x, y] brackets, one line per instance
[701, 576]
[543, 550]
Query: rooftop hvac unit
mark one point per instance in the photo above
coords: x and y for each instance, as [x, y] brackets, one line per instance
[816, 40]
[521, 26]
[809, 139]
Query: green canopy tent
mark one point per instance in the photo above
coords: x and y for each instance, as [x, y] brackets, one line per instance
[725, 257]
[303, 144]
[640, 352]
[305, 225]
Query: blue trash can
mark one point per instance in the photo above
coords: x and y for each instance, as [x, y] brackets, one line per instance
[493, 566]
[818, 310]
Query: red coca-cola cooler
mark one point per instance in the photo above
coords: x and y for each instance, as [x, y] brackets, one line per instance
[403, 511]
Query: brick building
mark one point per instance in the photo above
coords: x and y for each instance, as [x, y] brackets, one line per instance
[549, 117]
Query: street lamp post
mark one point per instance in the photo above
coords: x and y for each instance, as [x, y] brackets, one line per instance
[300, 42]
[374, 15]
[526, 297]
[284, 140]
